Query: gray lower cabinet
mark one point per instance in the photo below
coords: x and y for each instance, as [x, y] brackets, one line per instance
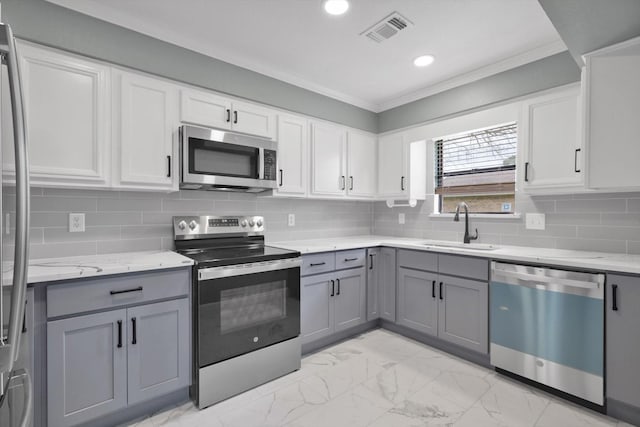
[86, 367]
[373, 283]
[349, 299]
[417, 302]
[623, 339]
[381, 284]
[316, 308]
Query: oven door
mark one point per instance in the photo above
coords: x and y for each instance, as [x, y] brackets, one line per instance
[243, 310]
[218, 158]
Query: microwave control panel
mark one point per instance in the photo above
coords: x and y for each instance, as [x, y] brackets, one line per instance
[270, 165]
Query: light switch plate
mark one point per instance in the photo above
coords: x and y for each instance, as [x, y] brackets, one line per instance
[400, 218]
[76, 222]
[535, 221]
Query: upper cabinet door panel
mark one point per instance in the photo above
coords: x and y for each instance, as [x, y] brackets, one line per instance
[66, 101]
[253, 119]
[328, 160]
[362, 155]
[293, 155]
[205, 109]
[147, 123]
[392, 166]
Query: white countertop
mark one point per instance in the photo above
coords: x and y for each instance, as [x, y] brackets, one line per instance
[52, 269]
[603, 261]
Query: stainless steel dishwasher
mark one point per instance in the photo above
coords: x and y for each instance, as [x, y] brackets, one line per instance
[547, 325]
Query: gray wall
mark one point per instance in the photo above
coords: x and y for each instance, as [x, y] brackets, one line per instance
[137, 221]
[593, 222]
[546, 73]
[587, 25]
[52, 25]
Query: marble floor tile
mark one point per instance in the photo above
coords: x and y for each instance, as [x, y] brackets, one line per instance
[560, 413]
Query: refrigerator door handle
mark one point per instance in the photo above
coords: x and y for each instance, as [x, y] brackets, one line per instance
[9, 352]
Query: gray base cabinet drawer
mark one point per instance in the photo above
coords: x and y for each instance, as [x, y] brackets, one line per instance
[473, 268]
[318, 263]
[107, 293]
[418, 260]
[350, 259]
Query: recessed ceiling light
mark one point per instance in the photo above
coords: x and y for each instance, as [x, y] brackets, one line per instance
[423, 61]
[336, 7]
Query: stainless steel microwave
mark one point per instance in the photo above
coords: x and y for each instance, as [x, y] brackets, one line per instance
[214, 159]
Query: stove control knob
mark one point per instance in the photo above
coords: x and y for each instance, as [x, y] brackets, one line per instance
[259, 223]
[182, 225]
[193, 225]
[243, 223]
[251, 223]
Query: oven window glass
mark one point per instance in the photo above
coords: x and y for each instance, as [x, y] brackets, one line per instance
[219, 158]
[252, 305]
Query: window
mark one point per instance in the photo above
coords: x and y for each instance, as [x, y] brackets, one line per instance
[478, 168]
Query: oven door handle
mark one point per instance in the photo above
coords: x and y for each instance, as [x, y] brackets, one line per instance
[244, 269]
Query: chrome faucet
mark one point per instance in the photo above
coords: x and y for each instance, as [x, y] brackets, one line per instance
[467, 237]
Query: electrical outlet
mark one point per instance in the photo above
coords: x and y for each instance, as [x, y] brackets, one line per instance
[76, 222]
[400, 218]
[292, 220]
[535, 221]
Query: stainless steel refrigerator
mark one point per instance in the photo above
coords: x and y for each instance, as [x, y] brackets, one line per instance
[16, 394]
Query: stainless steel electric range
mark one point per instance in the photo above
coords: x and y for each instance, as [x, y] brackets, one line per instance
[246, 305]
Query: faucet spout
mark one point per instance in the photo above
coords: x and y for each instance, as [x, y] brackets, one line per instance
[467, 237]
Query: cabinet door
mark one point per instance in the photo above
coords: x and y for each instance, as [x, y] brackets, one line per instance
[144, 128]
[387, 283]
[253, 119]
[552, 142]
[350, 299]
[86, 367]
[623, 339]
[373, 283]
[158, 348]
[392, 166]
[293, 155]
[316, 307]
[417, 300]
[362, 157]
[66, 101]
[328, 160]
[463, 314]
[205, 109]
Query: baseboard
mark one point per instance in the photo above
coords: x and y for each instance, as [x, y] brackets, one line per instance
[623, 411]
[317, 345]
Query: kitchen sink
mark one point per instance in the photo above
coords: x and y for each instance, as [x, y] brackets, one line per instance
[473, 246]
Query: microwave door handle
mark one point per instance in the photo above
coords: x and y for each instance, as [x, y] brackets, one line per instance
[261, 163]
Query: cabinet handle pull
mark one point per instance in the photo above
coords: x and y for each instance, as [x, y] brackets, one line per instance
[433, 289]
[402, 183]
[614, 302]
[350, 259]
[281, 177]
[235, 117]
[317, 264]
[333, 288]
[338, 280]
[168, 166]
[371, 261]
[24, 318]
[351, 184]
[119, 333]
[575, 160]
[228, 115]
[441, 297]
[124, 291]
[343, 182]
[134, 338]
[526, 172]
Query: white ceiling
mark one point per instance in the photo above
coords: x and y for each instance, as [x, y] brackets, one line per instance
[295, 41]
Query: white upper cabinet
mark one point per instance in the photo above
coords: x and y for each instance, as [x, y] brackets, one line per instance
[293, 156]
[612, 92]
[328, 153]
[211, 110]
[145, 124]
[551, 143]
[402, 167]
[66, 100]
[362, 156]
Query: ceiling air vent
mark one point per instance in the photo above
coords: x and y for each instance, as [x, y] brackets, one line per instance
[387, 28]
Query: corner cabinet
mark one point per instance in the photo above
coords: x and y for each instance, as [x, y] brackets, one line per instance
[135, 349]
[402, 167]
[551, 143]
[145, 127]
[66, 101]
[612, 108]
[381, 284]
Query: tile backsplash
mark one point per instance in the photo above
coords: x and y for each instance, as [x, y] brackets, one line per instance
[135, 221]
